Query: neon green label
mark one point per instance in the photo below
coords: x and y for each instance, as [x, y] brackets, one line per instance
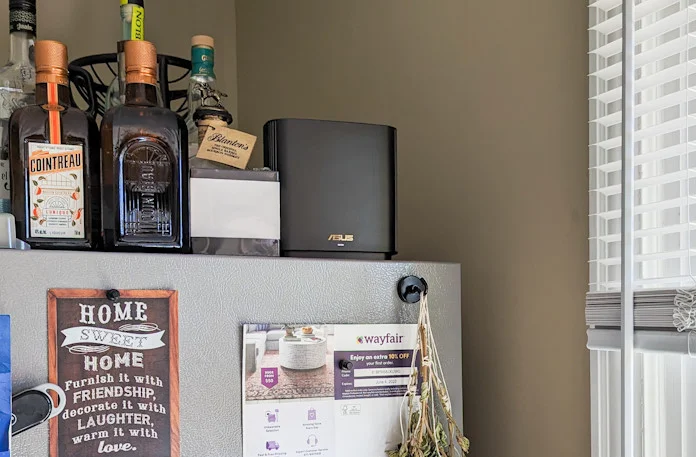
[138, 24]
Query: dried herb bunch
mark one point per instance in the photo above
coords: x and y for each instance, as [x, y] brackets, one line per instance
[424, 435]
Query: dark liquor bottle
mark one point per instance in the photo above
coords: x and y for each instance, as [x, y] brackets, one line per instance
[54, 162]
[145, 165]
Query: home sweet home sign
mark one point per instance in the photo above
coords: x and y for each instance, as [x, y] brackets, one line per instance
[118, 363]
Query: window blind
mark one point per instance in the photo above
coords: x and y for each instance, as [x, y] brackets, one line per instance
[665, 404]
[665, 143]
[665, 219]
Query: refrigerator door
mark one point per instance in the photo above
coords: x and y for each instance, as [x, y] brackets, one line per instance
[217, 295]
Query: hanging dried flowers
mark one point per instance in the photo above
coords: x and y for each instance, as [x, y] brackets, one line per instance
[424, 435]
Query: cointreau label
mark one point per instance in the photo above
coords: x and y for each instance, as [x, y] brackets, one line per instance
[56, 186]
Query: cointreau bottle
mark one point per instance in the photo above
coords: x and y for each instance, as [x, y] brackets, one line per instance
[144, 165]
[54, 162]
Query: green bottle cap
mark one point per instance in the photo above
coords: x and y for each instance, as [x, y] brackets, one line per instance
[203, 56]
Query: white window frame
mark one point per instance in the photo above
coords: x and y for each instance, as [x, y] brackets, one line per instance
[628, 397]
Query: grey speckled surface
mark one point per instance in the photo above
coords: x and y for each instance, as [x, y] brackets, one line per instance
[216, 296]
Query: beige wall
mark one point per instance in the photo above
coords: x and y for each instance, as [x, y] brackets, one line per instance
[93, 27]
[489, 99]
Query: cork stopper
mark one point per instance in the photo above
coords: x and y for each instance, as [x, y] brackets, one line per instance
[141, 62]
[51, 62]
[203, 40]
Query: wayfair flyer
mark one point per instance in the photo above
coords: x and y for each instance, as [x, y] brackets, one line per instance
[324, 390]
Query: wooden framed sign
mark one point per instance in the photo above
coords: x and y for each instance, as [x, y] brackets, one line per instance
[118, 362]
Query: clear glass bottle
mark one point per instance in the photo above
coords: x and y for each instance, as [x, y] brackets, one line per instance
[145, 196]
[202, 80]
[17, 83]
[132, 28]
[54, 159]
[207, 117]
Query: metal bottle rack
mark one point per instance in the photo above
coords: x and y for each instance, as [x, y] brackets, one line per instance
[91, 75]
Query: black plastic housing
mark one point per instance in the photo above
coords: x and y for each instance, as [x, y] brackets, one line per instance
[337, 187]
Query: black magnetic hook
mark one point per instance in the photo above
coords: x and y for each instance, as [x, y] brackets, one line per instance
[113, 294]
[410, 289]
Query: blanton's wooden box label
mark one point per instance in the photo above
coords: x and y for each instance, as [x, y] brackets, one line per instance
[227, 146]
[118, 362]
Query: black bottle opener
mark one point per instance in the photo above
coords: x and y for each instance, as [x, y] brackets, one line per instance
[35, 406]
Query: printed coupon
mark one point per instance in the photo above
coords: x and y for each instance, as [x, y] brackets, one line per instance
[309, 389]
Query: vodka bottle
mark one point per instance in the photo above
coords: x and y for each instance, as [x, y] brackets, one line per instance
[17, 82]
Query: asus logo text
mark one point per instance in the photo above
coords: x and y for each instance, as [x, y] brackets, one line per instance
[343, 238]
